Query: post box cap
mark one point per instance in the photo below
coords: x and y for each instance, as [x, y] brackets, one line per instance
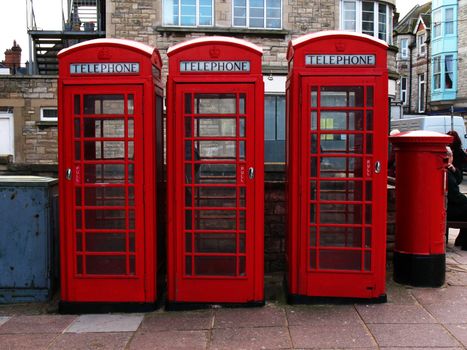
[421, 136]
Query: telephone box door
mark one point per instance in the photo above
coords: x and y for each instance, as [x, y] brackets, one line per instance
[104, 208]
[215, 153]
[343, 187]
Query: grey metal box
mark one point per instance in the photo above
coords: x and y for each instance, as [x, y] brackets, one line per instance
[28, 238]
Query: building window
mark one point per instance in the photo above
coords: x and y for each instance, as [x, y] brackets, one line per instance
[403, 90]
[49, 114]
[437, 23]
[368, 17]
[421, 93]
[274, 128]
[404, 46]
[421, 45]
[188, 13]
[257, 13]
[437, 72]
[448, 71]
[449, 21]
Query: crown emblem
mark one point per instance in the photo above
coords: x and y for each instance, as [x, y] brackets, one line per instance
[340, 46]
[214, 52]
[104, 54]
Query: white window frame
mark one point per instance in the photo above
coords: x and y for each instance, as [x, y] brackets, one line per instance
[359, 18]
[404, 54]
[403, 91]
[437, 72]
[421, 93]
[247, 16]
[9, 116]
[421, 44]
[445, 71]
[179, 24]
[47, 119]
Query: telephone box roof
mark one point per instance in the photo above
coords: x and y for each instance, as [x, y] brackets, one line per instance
[122, 43]
[214, 40]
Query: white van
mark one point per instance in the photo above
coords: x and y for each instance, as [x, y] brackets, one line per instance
[439, 123]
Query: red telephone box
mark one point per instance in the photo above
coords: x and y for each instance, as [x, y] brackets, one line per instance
[110, 163]
[215, 172]
[337, 122]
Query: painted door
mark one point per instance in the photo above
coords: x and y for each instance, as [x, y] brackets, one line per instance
[214, 153]
[343, 187]
[103, 153]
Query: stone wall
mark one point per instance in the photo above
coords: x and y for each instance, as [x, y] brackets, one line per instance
[35, 141]
[462, 54]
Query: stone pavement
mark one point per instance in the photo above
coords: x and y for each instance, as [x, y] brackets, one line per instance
[416, 318]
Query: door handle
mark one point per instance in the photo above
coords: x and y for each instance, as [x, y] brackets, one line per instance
[251, 173]
[68, 174]
[377, 167]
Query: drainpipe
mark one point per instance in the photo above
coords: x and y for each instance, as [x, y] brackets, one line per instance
[411, 47]
[428, 78]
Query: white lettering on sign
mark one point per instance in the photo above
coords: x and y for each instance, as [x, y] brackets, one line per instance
[340, 60]
[214, 66]
[104, 68]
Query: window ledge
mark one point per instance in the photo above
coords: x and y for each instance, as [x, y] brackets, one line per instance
[223, 30]
[46, 124]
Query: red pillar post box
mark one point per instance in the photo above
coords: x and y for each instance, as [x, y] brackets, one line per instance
[337, 116]
[110, 163]
[419, 253]
[215, 172]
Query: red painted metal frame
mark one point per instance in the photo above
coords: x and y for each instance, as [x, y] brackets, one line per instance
[206, 288]
[137, 284]
[338, 282]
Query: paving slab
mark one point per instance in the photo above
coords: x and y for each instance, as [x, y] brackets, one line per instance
[105, 323]
[447, 313]
[450, 295]
[322, 315]
[178, 321]
[459, 331]
[190, 340]
[327, 337]
[3, 319]
[250, 338]
[91, 341]
[412, 335]
[268, 316]
[399, 293]
[25, 341]
[457, 277]
[394, 313]
[36, 324]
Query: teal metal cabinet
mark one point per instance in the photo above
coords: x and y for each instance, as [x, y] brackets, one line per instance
[28, 238]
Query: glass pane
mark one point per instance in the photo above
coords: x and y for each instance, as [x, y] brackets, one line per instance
[216, 197]
[105, 242]
[340, 213]
[106, 173]
[312, 236]
[188, 103]
[340, 259]
[369, 120]
[242, 265]
[77, 104]
[242, 127]
[77, 150]
[104, 104]
[108, 196]
[77, 127]
[341, 167]
[215, 220]
[341, 96]
[215, 127]
[131, 104]
[340, 236]
[367, 261]
[314, 96]
[342, 143]
[216, 243]
[313, 167]
[215, 104]
[216, 149]
[79, 242]
[313, 213]
[78, 196]
[106, 265]
[188, 243]
[79, 264]
[340, 120]
[314, 120]
[216, 174]
[368, 237]
[104, 150]
[341, 190]
[107, 219]
[313, 190]
[188, 266]
[215, 265]
[369, 96]
[104, 127]
[313, 256]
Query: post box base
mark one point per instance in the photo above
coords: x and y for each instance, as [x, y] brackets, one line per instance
[420, 270]
[66, 307]
[183, 306]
